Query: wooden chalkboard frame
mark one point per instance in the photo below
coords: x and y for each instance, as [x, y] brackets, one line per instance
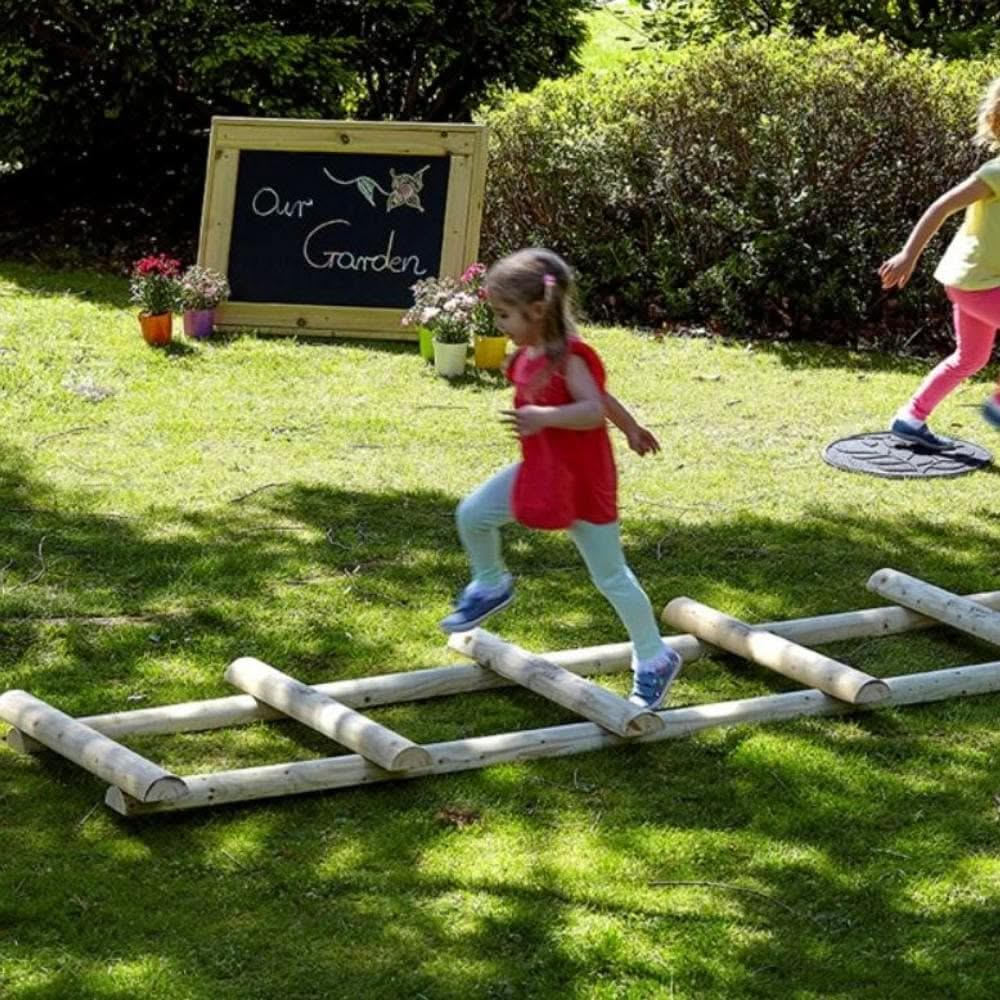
[464, 144]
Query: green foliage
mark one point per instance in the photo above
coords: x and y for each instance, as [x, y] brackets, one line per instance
[754, 183]
[107, 103]
[953, 28]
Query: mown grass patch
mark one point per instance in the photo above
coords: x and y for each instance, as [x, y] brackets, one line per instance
[294, 501]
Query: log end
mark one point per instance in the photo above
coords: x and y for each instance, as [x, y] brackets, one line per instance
[10, 702]
[644, 724]
[23, 743]
[464, 642]
[121, 802]
[410, 758]
[238, 666]
[872, 693]
[671, 608]
[878, 579]
[167, 789]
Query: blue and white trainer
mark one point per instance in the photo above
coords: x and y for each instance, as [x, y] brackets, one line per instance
[475, 604]
[652, 679]
[920, 435]
[991, 412]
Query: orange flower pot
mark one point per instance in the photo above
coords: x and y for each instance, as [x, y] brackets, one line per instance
[156, 329]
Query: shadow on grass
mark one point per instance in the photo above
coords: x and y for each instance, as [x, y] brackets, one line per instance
[833, 857]
[87, 286]
[801, 355]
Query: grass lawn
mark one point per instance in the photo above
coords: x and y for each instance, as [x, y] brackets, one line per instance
[164, 511]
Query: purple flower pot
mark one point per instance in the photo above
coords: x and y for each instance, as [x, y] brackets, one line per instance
[198, 323]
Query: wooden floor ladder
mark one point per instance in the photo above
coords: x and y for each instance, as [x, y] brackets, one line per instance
[335, 709]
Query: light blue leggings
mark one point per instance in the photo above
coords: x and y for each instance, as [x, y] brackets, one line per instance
[481, 515]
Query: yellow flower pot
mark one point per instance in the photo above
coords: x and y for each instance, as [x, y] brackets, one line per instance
[490, 351]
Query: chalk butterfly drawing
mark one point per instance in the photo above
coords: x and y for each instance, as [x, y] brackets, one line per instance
[404, 193]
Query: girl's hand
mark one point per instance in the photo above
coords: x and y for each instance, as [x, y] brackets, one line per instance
[641, 440]
[526, 420]
[897, 270]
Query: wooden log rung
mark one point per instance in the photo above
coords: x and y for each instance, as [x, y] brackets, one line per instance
[140, 778]
[559, 685]
[775, 652]
[942, 605]
[325, 715]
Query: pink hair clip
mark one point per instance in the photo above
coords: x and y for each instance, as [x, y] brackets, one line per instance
[548, 280]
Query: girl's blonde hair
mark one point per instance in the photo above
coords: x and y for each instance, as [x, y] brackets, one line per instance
[988, 121]
[537, 275]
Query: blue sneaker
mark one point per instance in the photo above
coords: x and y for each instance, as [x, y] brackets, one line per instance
[919, 434]
[652, 679]
[474, 606]
[991, 412]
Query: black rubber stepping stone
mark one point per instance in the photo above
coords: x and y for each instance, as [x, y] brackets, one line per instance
[883, 454]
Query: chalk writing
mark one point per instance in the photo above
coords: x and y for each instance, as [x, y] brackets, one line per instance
[346, 260]
[267, 201]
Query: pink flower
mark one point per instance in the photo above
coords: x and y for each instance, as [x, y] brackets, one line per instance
[159, 265]
[472, 272]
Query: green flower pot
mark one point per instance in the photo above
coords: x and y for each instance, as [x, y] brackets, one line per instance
[426, 343]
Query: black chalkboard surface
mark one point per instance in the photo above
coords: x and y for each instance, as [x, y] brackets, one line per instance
[345, 229]
[323, 227]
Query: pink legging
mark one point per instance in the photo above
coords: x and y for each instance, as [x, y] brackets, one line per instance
[977, 317]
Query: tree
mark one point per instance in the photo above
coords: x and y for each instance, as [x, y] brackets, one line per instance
[950, 28]
[105, 104]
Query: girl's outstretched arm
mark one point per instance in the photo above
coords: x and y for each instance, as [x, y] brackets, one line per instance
[897, 270]
[640, 439]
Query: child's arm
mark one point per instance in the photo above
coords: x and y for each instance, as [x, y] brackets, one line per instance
[583, 414]
[640, 439]
[897, 270]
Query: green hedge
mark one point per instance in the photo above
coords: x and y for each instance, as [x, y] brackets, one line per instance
[754, 185]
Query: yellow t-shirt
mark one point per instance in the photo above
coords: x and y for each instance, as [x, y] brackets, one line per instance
[972, 260]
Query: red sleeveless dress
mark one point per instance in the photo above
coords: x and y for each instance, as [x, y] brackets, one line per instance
[565, 475]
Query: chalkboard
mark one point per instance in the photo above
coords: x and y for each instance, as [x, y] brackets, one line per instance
[322, 227]
[355, 229]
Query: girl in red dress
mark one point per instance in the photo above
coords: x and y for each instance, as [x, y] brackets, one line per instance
[566, 478]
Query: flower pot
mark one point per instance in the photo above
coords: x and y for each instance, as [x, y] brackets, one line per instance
[449, 359]
[426, 342]
[490, 351]
[199, 323]
[156, 329]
